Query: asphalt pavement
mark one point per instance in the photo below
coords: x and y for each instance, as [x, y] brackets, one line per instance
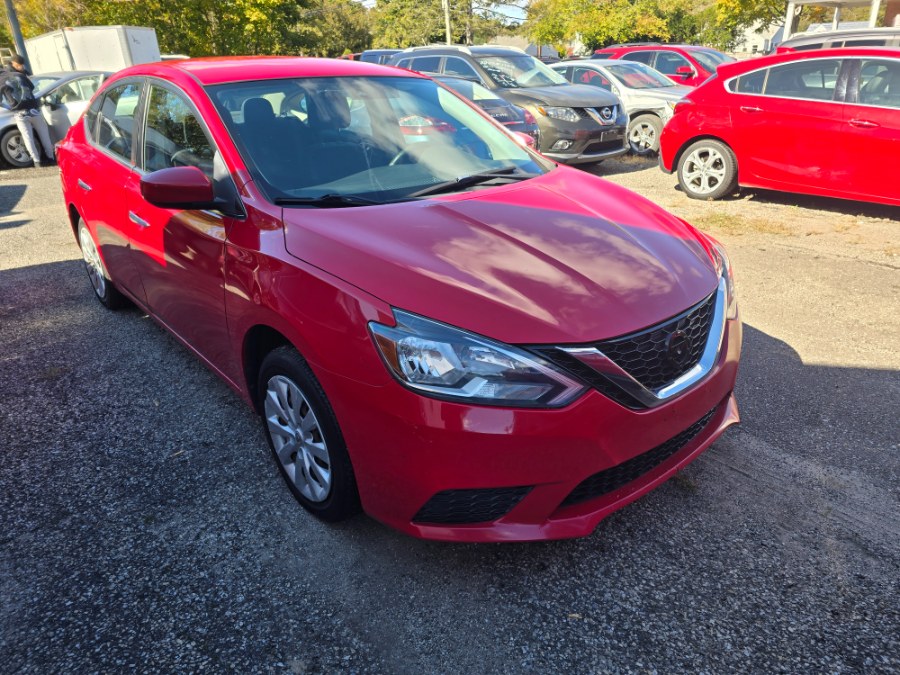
[145, 528]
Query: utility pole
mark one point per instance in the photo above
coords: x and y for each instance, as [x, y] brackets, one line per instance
[16, 32]
[445, 4]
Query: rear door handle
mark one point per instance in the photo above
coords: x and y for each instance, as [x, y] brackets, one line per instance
[137, 220]
[865, 124]
[84, 186]
[750, 109]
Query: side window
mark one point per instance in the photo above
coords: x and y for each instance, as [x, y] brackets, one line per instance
[815, 79]
[426, 64]
[879, 83]
[173, 136]
[75, 91]
[90, 119]
[591, 77]
[87, 86]
[640, 57]
[116, 119]
[813, 45]
[668, 63]
[405, 63]
[751, 83]
[458, 67]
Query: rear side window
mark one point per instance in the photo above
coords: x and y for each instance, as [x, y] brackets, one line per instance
[803, 48]
[879, 83]
[458, 67]
[640, 57]
[426, 64]
[804, 79]
[116, 119]
[751, 83]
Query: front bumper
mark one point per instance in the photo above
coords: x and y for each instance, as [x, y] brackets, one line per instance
[407, 450]
[590, 142]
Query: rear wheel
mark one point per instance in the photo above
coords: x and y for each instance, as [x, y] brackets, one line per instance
[106, 293]
[643, 134]
[13, 149]
[707, 170]
[304, 436]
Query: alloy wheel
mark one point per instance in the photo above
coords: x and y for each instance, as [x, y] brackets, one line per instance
[642, 138]
[16, 150]
[297, 438]
[704, 170]
[92, 262]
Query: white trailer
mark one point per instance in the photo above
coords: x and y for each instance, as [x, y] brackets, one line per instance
[109, 48]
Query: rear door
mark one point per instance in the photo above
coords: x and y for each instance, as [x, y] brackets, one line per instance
[180, 252]
[787, 121]
[872, 130]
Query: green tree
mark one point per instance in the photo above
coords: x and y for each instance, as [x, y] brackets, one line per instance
[335, 27]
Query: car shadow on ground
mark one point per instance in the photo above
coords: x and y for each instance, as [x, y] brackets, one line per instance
[10, 196]
[627, 163]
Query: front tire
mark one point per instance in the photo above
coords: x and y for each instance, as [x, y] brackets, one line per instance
[13, 149]
[305, 438]
[707, 170]
[106, 293]
[643, 134]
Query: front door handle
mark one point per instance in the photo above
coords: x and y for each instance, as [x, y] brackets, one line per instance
[750, 109]
[137, 220]
[84, 186]
[864, 124]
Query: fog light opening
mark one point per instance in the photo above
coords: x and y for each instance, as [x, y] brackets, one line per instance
[561, 145]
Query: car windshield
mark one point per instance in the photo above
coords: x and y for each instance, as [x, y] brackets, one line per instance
[519, 71]
[711, 59]
[636, 75]
[365, 139]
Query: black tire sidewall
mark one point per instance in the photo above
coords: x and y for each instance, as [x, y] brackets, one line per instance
[6, 158]
[657, 127]
[727, 186]
[111, 298]
[343, 500]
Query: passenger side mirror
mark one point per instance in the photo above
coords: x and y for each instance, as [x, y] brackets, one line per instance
[524, 139]
[684, 71]
[179, 187]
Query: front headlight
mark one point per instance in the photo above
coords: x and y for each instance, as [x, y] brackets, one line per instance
[446, 362]
[557, 113]
[723, 267]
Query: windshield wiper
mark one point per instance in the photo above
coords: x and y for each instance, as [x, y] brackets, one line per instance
[327, 201]
[505, 173]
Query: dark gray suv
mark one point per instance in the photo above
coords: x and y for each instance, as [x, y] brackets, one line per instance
[579, 124]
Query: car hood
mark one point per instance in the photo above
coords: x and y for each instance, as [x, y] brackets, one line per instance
[563, 258]
[570, 95]
[675, 93]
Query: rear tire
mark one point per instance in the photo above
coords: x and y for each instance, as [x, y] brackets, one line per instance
[106, 292]
[305, 438]
[13, 150]
[707, 170]
[643, 135]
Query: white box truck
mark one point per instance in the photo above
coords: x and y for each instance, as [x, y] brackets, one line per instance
[92, 48]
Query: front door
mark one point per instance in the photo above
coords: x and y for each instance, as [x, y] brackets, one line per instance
[180, 252]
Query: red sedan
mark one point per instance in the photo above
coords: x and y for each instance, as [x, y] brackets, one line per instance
[435, 323]
[823, 123]
[687, 65]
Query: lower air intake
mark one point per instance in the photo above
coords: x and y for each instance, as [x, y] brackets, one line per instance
[461, 507]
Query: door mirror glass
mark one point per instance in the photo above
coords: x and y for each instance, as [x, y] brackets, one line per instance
[179, 187]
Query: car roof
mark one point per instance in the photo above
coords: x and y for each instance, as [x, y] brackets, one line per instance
[221, 70]
[727, 69]
[657, 47]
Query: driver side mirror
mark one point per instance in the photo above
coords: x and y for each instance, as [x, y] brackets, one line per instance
[50, 103]
[179, 187]
[684, 71]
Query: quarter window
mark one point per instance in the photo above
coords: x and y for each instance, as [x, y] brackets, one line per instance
[173, 136]
[879, 83]
[116, 117]
[751, 83]
[804, 79]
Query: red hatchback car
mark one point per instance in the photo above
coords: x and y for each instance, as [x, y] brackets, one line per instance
[683, 64]
[434, 322]
[822, 123]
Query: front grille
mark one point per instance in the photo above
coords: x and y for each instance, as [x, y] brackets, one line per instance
[458, 507]
[608, 118]
[612, 479]
[646, 355]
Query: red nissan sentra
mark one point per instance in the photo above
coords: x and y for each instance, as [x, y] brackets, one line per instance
[435, 323]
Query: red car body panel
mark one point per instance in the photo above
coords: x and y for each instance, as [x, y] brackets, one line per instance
[600, 262]
[813, 147]
[701, 73]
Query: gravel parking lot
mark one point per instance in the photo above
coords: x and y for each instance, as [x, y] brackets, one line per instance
[144, 526]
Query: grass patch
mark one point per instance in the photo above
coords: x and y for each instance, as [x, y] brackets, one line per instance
[733, 224]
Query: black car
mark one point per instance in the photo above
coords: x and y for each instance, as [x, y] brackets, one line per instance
[511, 116]
[578, 124]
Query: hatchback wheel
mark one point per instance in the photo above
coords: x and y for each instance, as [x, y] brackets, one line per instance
[13, 149]
[643, 134]
[303, 433]
[108, 294]
[707, 170]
